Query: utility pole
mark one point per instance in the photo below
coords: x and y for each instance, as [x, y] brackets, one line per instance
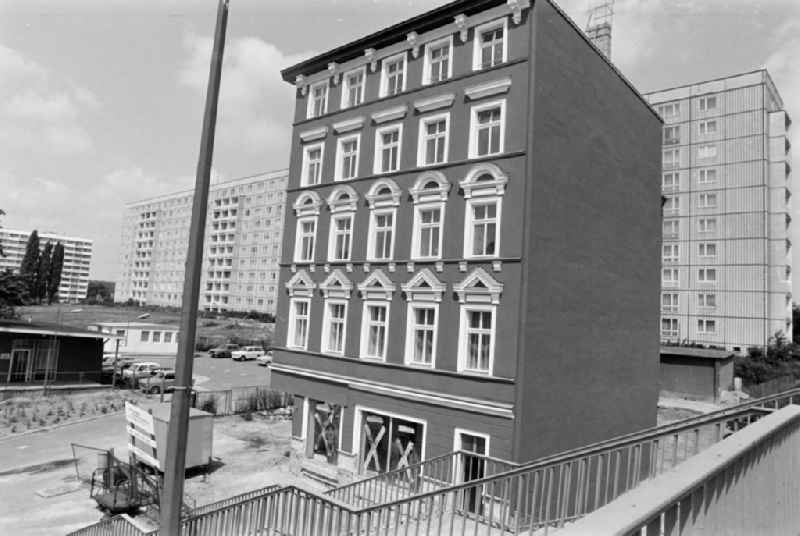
[174, 472]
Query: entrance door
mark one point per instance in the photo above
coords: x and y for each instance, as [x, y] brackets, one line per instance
[20, 366]
[326, 431]
[471, 467]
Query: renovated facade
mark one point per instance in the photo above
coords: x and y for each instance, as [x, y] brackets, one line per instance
[77, 259]
[242, 246]
[471, 244]
[727, 250]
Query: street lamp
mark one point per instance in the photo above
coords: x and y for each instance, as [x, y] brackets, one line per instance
[116, 348]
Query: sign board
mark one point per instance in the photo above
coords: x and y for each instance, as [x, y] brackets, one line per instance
[140, 418]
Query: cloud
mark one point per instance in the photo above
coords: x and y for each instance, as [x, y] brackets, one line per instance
[256, 105]
[39, 111]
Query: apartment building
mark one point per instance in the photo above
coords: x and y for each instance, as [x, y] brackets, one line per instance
[727, 249]
[242, 246]
[77, 259]
[471, 250]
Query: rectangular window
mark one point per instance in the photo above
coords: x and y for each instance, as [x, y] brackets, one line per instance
[347, 165]
[479, 334]
[353, 91]
[707, 249]
[707, 176]
[669, 276]
[707, 151]
[483, 229]
[312, 165]
[672, 135]
[306, 236]
[433, 139]
[438, 66]
[670, 181]
[707, 225]
[669, 327]
[167, 337]
[670, 228]
[707, 300]
[671, 158]
[708, 103]
[336, 315]
[487, 129]
[298, 323]
[422, 327]
[669, 301]
[145, 336]
[318, 100]
[383, 235]
[376, 319]
[429, 226]
[707, 201]
[672, 203]
[670, 253]
[387, 149]
[393, 76]
[341, 237]
[490, 46]
[708, 327]
[707, 127]
[670, 110]
[156, 336]
[707, 275]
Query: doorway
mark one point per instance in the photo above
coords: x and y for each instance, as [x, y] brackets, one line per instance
[471, 467]
[20, 369]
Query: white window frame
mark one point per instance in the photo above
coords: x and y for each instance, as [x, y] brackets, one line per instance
[312, 103]
[703, 103]
[463, 339]
[707, 176]
[670, 301]
[473, 127]
[673, 255]
[703, 127]
[476, 42]
[291, 334]
[298, 242]
[673, 139]
[366, 323]
[705, 322]
[307, 163]
[674, 224]
[676, 160]
[672, 109]
[346, 87]
[702, 250]
[422, 138]
[703, 225]
[672, 204]
[674, 276]
[469, 224]
[326, 327]
[338, 175]
[385, 62]
[416, 238]
[333, 233]
[671, 332]
[377, 166]
[372, 236]
[702, 300]
[428, 63]
[707, 200]
[676, 180]
[703, 273]
[410, 324]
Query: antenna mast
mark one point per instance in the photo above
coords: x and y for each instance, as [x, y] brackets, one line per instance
[598, 25]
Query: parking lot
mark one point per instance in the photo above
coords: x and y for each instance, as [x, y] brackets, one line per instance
[219, 373]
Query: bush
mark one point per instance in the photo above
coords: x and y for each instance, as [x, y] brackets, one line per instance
[781, 358]
[209, 405]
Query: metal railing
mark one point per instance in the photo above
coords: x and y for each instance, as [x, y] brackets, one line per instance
[429, 475]
[230, 501]
[114, 526]
[743, 485]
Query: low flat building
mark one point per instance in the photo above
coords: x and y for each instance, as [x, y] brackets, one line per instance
[695, 373]
[37, 352]
[139, 338]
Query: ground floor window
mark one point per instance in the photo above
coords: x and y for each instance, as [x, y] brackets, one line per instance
[326, 423]
[471, 465]
[389, 442]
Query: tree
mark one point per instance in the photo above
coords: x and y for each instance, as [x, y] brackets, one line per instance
[43, 273]
[30, 263]
[56, 266]
[13, 292]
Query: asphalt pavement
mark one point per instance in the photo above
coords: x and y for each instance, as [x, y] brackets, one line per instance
[212, 374]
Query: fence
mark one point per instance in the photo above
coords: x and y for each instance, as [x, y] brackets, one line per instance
[87, 460]
[240, 400]
[746, 484]
[114, 526]
[771, 387]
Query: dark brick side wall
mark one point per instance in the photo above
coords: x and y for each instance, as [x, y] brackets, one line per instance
[593, 232]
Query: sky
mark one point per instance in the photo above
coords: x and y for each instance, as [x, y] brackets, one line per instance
[101, 101]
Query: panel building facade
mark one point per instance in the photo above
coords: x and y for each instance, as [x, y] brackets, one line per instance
[471, 242]
[77, 259]
[727, 250]
[242, 246]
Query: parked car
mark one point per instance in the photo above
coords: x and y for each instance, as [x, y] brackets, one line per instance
[247, 353]
[164, 377]
[265, 359]
[139, 371]
[223, 350]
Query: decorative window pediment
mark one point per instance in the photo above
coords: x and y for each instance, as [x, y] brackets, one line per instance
[487, 89]
[479, 287]
[343, 199]
[390, 114]
[314, 134]
[484, 179]
[336, 285]
[300, 285]
[430, 186]
[384, 193]
[348, 125]
[424, 286]
[434, 103]
[377, 286]
[307, 204]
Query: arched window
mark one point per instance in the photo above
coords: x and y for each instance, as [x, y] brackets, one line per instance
[342, 202]
[306, 208]
[484, 187]
[430, 194]
[383, 198]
